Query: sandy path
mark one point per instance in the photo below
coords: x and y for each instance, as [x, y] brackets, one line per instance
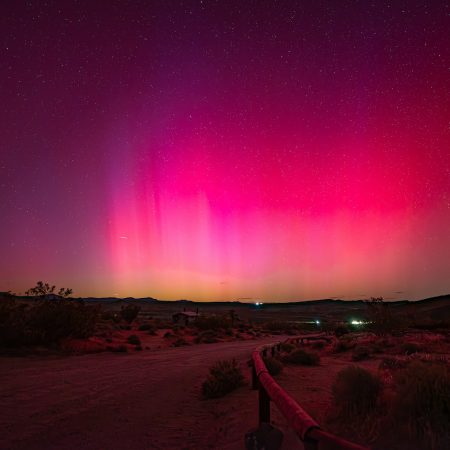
[147, 400]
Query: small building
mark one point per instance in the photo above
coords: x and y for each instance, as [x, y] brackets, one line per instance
[185, 317]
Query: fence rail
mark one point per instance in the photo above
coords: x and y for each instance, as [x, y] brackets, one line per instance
[307, 429]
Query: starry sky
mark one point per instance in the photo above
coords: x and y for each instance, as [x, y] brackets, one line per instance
[215, 150]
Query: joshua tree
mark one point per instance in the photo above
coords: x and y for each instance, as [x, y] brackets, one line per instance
[42, 289]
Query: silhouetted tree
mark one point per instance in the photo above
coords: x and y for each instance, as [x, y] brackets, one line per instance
[43, 289]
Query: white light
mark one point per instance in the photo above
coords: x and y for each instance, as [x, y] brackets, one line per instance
[317, 322]
[356, 322]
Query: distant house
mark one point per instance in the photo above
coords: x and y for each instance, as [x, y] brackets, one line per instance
[185, 317]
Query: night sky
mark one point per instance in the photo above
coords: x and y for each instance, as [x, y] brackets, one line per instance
[215, 150]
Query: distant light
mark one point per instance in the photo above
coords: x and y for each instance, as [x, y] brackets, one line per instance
[258, 303]
[356, 322]
[317, 322]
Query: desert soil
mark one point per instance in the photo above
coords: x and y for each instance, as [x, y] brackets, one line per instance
[144, 400]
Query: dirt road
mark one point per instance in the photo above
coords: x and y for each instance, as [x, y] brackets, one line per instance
[145, 400]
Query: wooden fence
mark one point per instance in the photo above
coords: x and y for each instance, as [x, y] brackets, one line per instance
[306, 428]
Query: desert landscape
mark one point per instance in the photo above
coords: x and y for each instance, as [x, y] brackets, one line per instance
[224, 225]
[138, 380]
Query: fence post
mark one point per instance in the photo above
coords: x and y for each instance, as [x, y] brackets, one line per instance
[254, 377]
[264, 405]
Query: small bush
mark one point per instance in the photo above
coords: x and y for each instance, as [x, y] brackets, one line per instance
[287, 347]
[342, 345]
[134, 340]
[212, 323]
[408, 348]
[318, 345]
[207, 337]
[120, 349]
[129, 312]
[360, 353]
[180, 342]
[224, 377]
[302, 357]
[146, 327]
[423, 400]
[274, 366]
[356, 392]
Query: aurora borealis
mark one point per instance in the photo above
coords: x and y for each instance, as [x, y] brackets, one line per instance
[215, 150]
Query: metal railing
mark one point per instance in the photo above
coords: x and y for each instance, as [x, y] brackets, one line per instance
[306, 428]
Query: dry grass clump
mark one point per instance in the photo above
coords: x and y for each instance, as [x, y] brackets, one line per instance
[134, 339]
[356, 392]
[361, 352]
[180, 342]
[207, 337]
[212, 323]
[224, 377]
[302, 357]
[422, 402]
[287, 347]
[343, 344]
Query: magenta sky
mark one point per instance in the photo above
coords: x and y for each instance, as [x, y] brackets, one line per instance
[219, 150]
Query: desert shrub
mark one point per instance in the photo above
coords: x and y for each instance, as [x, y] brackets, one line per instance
[287, 347]
[134, 340]
[212, 323]
[48, 322]
[168, 335]
[408, 348]
[207, 337]
[355, 392]
[146, 327]
[12, 323]
[302, 357]
[342, 345]
[423, 400]
[129, 312]
[274, 366]
[382, 319]
[224, 377]
[180, 342]
[109, 316]
[376, 347]
[120, 349]
[340, 331]
[392, 363]
[360, 353]
[318, 345]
